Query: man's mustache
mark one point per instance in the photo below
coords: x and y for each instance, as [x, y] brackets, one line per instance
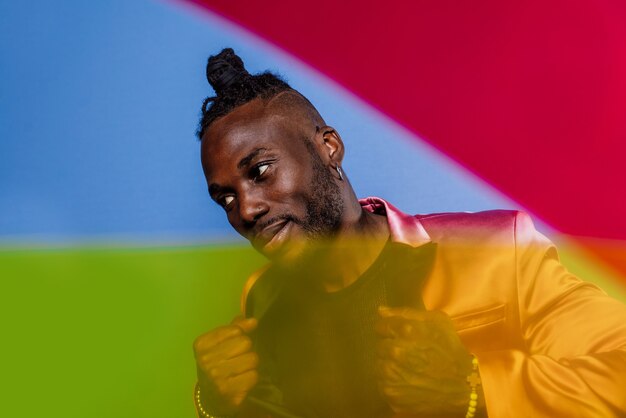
[275, 219]
[305, 224]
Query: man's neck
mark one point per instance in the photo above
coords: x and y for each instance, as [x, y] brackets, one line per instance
[340, 262]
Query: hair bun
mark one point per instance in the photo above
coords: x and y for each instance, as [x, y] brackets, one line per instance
[223, 69]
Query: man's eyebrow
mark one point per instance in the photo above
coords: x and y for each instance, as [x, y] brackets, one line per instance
[214, 189]
[246, 160]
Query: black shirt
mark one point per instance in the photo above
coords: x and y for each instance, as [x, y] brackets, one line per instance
[318, 349]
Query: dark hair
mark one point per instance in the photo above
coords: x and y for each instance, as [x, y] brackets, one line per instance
[234, 86]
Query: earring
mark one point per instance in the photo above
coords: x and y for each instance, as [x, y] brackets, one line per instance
[339, 171]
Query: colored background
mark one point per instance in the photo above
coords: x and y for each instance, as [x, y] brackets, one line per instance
[112, 256]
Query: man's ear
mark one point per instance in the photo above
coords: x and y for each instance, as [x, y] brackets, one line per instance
[333, 145]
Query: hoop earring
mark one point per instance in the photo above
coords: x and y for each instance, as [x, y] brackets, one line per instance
[339, 171]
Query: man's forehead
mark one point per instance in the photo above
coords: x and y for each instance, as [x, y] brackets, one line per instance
[255, 117]
[237, 135]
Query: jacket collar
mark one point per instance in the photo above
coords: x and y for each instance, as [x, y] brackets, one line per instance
[403, 228]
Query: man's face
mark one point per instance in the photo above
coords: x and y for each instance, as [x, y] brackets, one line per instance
[275, 188]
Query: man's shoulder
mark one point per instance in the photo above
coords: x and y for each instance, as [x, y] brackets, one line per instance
[490, 224]
[494, 216]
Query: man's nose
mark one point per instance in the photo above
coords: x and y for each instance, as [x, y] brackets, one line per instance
[252, 206]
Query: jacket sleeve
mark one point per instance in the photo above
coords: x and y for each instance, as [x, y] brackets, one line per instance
[573, 363]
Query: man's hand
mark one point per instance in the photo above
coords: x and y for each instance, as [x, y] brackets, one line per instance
[227, 366]
[422, 364]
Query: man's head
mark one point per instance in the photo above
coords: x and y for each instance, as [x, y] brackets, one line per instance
[270, 160]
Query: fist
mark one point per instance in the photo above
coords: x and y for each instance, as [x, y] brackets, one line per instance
[422, 364]
[227, 366]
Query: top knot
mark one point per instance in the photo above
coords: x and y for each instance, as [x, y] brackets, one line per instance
[224, 69]
[234, 86]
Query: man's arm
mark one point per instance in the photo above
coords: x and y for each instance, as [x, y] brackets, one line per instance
[574, 362]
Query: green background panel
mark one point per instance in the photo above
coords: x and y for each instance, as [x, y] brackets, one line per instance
[109, 333]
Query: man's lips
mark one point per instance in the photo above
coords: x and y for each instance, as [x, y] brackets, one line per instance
[271, 235]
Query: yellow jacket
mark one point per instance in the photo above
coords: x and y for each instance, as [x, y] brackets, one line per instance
[548, 344]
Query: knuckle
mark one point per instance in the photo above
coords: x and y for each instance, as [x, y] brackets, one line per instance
[407, 329]
[398, 409]
[221, 389]
[198, 343]
[246, 343]
[205, 360]
[213, 373]
[238, 399]
[385, 369]
[395, 352]
[230, 330]
[389, 391]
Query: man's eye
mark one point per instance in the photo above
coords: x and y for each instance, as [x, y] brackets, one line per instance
[260, 169]
[227, 200]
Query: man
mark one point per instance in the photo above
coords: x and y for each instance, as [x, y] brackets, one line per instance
[366, 311]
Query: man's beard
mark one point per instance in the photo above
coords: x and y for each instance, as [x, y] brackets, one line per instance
[324, 207]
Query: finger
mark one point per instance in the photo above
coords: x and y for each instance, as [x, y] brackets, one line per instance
[397, 371]
[393, 394]
[388, 372]
[423, 388]
[408, 355]
[235, 366]
[215, 337]
[389, 327]
[241, 385]
[405, 399]
[399, 327]
[404, 312]
[391, 348]
[436, 316]
[228, 349]
[246, 324]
